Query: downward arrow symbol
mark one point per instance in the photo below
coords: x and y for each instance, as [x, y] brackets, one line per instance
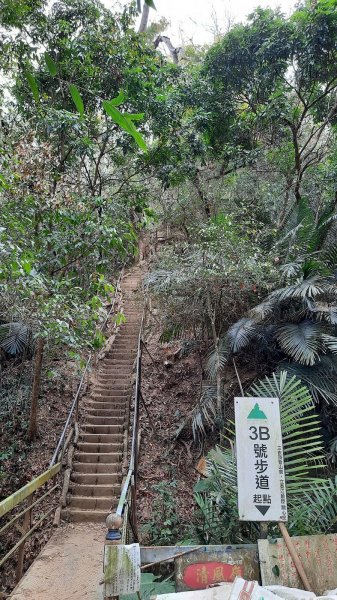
[262, 509]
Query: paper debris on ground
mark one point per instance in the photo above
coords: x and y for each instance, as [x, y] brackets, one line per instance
[250, 590]
[290, 593]
[220, 592]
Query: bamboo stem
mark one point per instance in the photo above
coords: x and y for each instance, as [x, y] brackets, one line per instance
[295, 557]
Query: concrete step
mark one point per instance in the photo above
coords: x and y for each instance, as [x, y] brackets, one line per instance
[118, 415]
[95, 491]
[85, 503]
[112, 386]
[119, 420]
[110, 468]
[117, 395]
[102, 457]
[114, 378]
[92, 478]
[99, 420]
[115, 382]
[126, 334]
[114, 363]
[111, 390]
[84, 516]
[114, 409]
[100, 447]
[103, 438]
[117, 369]
[108, 426]
[119, 345]
[121, 354]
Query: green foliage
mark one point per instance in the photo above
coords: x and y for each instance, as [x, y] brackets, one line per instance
[76, 96]
[164, 528]
[217, 260]
[51, 64]
[125, 122]
[149, 586]
[33, 86]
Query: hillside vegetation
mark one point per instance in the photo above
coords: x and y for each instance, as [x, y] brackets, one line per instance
[232, 148]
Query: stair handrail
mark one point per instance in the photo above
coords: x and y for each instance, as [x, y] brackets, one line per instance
[59, 450]
[130, 484]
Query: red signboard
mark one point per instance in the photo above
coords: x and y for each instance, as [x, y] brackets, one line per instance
[198, 576]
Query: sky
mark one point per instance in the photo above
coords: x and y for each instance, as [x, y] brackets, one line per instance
[194, 19]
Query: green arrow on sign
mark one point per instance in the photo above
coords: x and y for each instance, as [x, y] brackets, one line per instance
[256, 413]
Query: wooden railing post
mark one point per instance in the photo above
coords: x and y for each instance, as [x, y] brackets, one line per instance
[27, 523]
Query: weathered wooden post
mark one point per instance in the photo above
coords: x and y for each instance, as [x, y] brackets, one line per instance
[27, 523]
[114, 524]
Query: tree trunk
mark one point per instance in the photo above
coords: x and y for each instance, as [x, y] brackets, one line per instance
[216, 340]
[32, 429]
[202, 196]
[144, 19]
[174, 52]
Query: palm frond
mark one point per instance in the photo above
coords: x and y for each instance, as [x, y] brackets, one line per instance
[322, 506]
[330, 342]
[323, 311]
[291, 270]
[217, 356]
[204, 414]
[161, 279]
[306, 288]
[241, 334]
[329, 256]
[221, 468]
[321, 378]
[299, 422]
[14, 338]
[301, 341]
[264, 309]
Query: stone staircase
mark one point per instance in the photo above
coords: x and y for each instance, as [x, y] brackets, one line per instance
[97, 468]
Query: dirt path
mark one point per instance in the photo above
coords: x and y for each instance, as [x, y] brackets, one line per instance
[68, 568]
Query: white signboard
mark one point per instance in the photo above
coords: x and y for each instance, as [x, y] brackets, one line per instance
[261, 481]
[121, 569]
